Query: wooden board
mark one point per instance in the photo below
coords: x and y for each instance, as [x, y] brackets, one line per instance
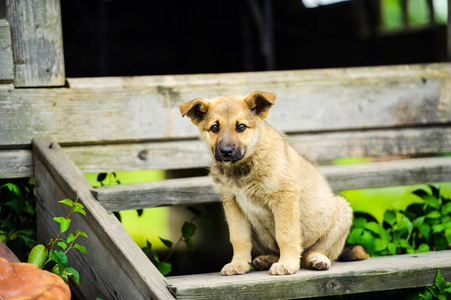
[114, 266]
[130, 109]
[323, 146]
[6, 53]
[201, 189]
[37, 42]
[375, 274]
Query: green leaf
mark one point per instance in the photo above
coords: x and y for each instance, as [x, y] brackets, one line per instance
[167, 243]
[59, 257]
[68, 202]
[64, 223]
[101, 177]
[438, 228]
[70, 238]
[373, 226]
[359, 222]
[188, 230]
[423, 248]
[190, 244]
[380, 244]
[12, 188]
[354, 236]
[446, 209]
[80, 210]
[425, 230]
[79, 232]
[62, 245]
[72, 273]
[433, 215]
[442, 297]
[421, 193]
[38, 256]
[390, 217]
[432, 201]
[164, 267]
[448, 235]
[418, 221]
[440, 281]
[391, 248]
[80, 247]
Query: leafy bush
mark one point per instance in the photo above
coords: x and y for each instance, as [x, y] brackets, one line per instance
[421, 227]
[18, 215]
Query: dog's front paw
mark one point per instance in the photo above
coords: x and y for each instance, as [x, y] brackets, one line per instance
[284, 268]
[234, 268]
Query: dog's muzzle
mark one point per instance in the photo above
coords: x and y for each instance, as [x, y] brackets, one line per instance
[228, 154]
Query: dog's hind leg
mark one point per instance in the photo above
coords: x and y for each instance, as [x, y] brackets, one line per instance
[264, 262]
[329, 247]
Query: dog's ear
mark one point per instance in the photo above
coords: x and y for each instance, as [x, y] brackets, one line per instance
[260, 103]
[195, 109]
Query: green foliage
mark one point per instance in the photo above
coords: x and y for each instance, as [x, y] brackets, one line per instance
[441, 290]
[421, 227]
[55, 260]
[18, 215]
[188, 230]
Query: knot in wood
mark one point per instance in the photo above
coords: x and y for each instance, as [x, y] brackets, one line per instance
[143, 154]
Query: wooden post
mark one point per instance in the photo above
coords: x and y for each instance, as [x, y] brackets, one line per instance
[6, 56]
[37, 42]
[114, 267]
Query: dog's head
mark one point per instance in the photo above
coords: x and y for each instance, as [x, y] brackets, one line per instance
[230, 125]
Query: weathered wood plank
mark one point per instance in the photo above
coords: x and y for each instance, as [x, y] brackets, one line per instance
[201, 189]
[146, 108]
[374, 274]
[37, 42]
[322, 146]
[6, 53]
[114, 266]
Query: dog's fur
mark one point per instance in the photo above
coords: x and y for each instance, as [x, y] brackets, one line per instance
[274, 198]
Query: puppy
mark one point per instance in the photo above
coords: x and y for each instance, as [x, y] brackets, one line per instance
[274, 199]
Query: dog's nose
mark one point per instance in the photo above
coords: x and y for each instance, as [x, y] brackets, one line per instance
[226, 152]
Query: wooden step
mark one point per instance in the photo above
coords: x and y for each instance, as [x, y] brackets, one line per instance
[198, 190]
[374, 274]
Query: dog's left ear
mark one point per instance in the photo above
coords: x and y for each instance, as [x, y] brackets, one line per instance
[260, 103]
[195, 109]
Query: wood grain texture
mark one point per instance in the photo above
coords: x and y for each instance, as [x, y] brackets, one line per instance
[112, 110]
[37, 42]
[114, 266]
[201, 189]
[321, 147]
[6, 53]
[374, 274]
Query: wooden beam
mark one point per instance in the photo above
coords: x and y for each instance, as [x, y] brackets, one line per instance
[37, 42]
[146, 108]
[324, 146]
[374, 274]
[199, 190]
[114, 266]
[6, 54]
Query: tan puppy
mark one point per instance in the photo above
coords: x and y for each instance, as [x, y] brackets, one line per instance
[274, 198]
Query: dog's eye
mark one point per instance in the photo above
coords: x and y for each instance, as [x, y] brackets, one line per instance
[241, 128]
[214, 128]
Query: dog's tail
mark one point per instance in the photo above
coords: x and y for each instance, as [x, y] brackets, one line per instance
[352, 253]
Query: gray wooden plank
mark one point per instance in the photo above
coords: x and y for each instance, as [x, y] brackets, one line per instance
[6, 53]
[114, 266]
[201, 189]
[323, 146]
[146, 108]
[374, 274]
[37, 42]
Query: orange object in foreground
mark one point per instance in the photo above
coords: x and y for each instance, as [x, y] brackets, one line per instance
[27, 281]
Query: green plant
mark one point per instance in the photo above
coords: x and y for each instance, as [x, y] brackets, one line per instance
[441, 290]
[420, 228]
[18, 215]
[55, 260]
[188, 230]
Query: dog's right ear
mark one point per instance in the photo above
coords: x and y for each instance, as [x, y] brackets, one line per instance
[195, 109]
